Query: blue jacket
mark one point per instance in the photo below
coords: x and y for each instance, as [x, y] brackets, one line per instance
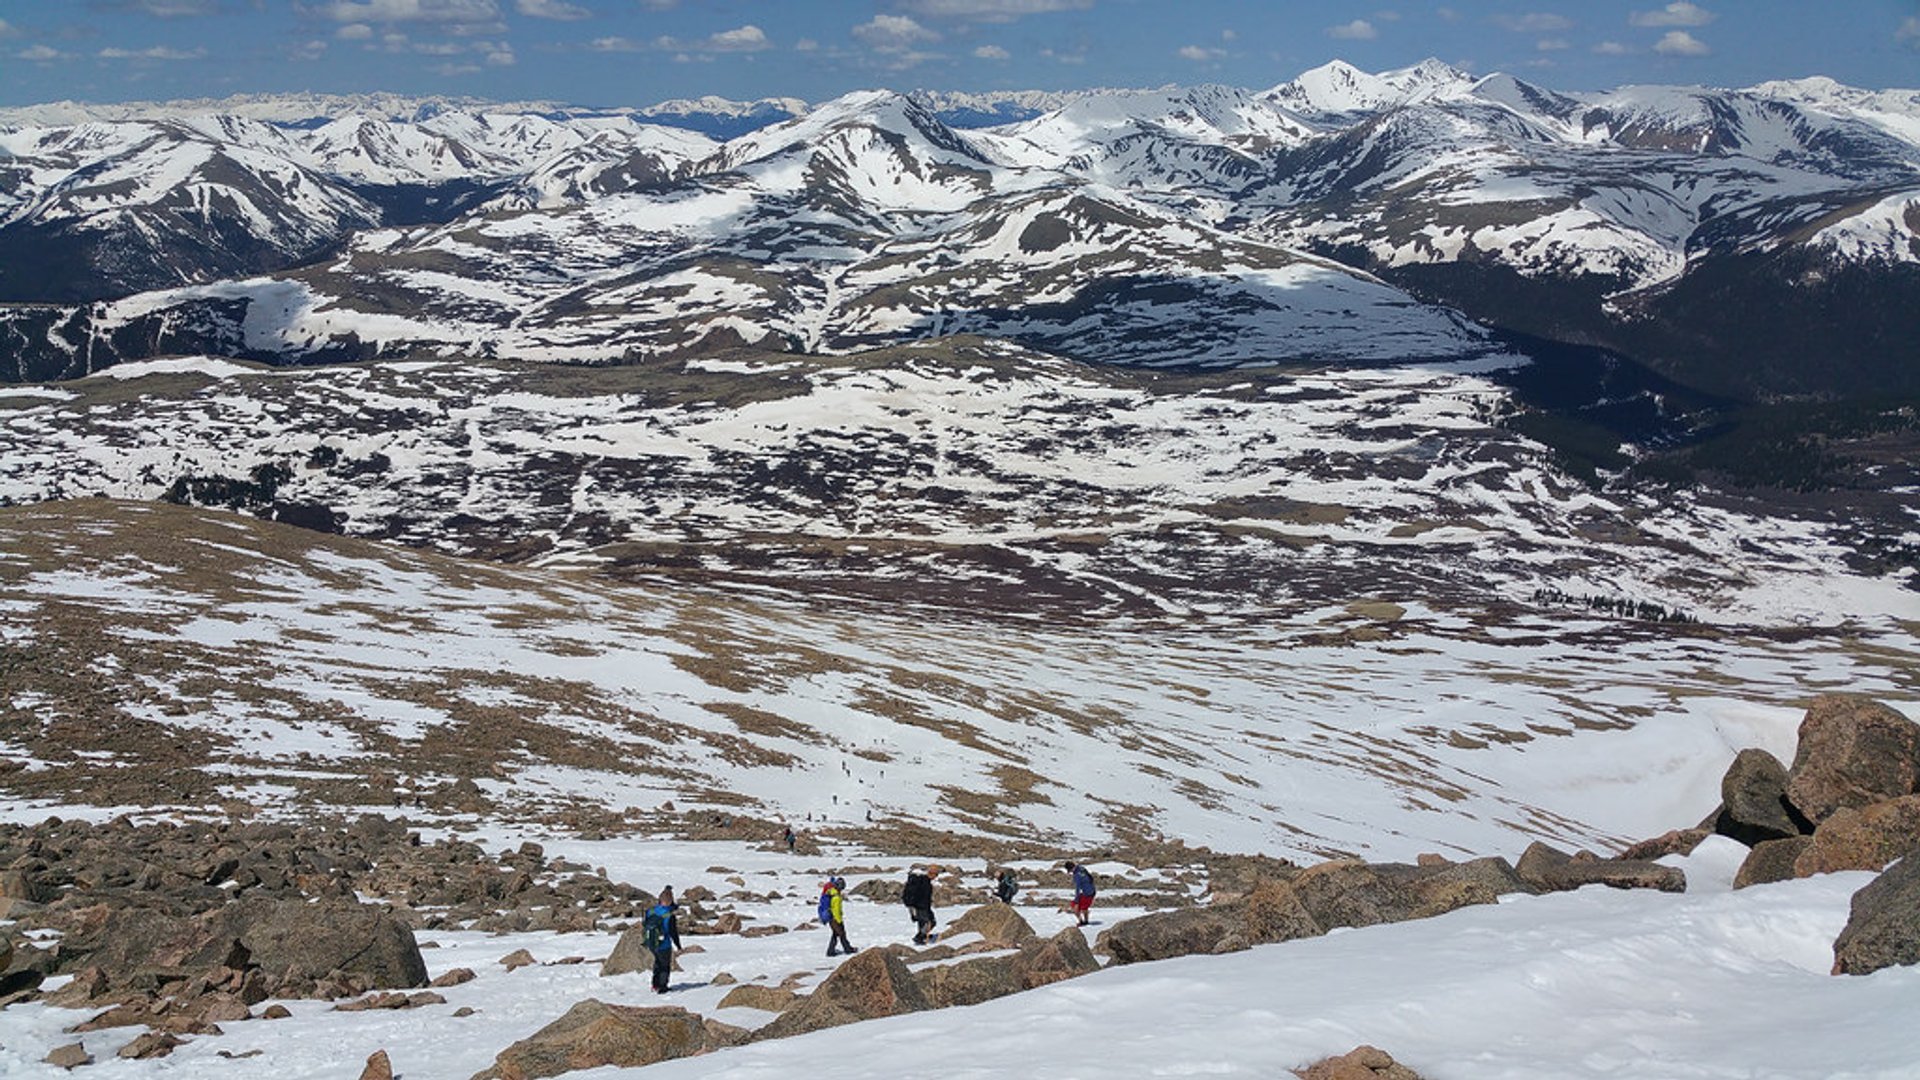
[1082, 882]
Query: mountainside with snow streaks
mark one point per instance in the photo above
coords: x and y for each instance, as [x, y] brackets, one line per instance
[1339, 216]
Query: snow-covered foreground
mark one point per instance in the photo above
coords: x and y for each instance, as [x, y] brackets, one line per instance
[1598, 983]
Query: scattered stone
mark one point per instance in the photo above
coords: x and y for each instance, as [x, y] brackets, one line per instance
[154, 1044]
[464, 1010]
[275, 1012]
[1771, 861]
[1853, 752]
[998, 924]
[725, 978]
[1551, 870]
[242, 1055]
[765, 998]
[378, 1067]
[453, 978]
[1671, 842]
[517, 959]
[1883, 926]
[70, 1056]
[594, 1033]
[1361, 1063]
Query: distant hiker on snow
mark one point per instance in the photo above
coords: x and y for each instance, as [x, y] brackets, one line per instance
[660, 929]
[789, 839]
[917, 894]
[1006, 886]
[833, 914]
[1082, 891]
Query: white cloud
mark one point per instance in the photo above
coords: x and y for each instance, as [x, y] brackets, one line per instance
[1229, 35]
[991, 10]
[1680, 43]
[992, 52]
[1447, 14]
[177, 9]
[1357, 30]
[354, 32]
[1064, 57]
[552, 9]
[462, 12]
[7, 30]
[1550, 44]
[1200, 54]
[1680, 13]
[1909, 33]
[157, 52]
[308, 51]
[747, 38]
[893, 33]
[1611, 48]
[1537, 22]
[39, 53]
[806, 44]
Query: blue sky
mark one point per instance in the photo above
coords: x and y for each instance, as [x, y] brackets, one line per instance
[637, 52]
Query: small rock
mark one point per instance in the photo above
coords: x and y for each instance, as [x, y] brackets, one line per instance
[378, 1067]
[453, 978]
[154, 1044]
[275, 1012]
[70, 1056]
[1361, 1063]
[519, 958]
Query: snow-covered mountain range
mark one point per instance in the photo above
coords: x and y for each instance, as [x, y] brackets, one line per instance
[1717, 235]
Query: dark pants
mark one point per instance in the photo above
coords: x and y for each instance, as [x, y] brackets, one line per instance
[662, 970]
[923, 919]
[839, 939]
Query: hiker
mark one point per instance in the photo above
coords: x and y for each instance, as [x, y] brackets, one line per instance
[790, 839]
[1082, 891]
[917, 894]
[1006, 886]
[660, 928]
[833, 913]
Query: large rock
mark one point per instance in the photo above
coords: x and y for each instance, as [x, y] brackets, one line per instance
[871, 983]
[1311, 902]
[1771, 861]
[1360, 1063]
[1867, 838]
[997, 924]
[1165, 934]
[1038, 963]
[1853, 752]
[630, 953]
[1883, 928]
[1065, 955]
[294, 942]
[1754, 797]
[594, 1033]
[1551, 870]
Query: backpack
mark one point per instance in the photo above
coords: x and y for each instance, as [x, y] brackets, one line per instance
[653, 929]
[826, 906]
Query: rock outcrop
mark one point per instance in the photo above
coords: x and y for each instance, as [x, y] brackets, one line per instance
[1853, 752]
[1883, 926]
[871, 983]
[1360, 1063]
[594, 1033]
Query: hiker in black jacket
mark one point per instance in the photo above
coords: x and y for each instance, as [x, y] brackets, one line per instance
[917, 894]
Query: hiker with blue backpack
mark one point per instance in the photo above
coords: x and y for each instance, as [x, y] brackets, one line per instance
[660, 930]
[833, 912]
[1082, 891]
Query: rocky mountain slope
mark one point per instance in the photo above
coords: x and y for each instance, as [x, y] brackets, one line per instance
[1320, 220]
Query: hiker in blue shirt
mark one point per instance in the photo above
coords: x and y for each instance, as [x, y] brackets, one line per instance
[1082, 891]
[661, 930]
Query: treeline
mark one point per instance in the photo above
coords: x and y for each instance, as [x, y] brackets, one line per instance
[1618, 606]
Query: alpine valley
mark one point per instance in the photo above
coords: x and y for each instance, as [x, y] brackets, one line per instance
[1313, 508]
